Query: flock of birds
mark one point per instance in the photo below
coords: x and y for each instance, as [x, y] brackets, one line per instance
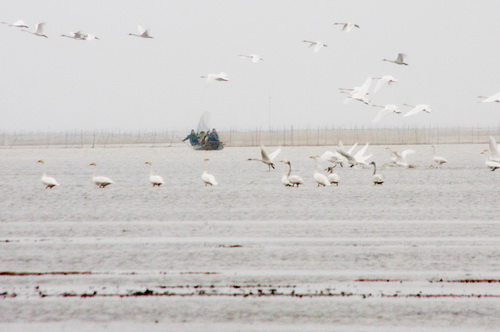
[359, 93]
[79, 35]
[341, 156]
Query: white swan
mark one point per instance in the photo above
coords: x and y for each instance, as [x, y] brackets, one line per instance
[494, 98]
[399, 159]
[386, 109]
[38, 30]
[357, 159]
[48, 181]
[347, 27]
[334, 157]
[376, 178]
[400, 60]
[359, 93]
[16, 24]
[438, 159]
[143, 33]
[267, 159]
[74, 35]
[320, 179]
[100, 181]
[317, 44]
[155, 180]
[334, 178]
[417, 109]
[385, 80]
[254, 57]
[208, 178]
[221, 77]
[295, 180]
[284, 177]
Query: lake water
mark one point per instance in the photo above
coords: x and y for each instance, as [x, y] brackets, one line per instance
[250, 253]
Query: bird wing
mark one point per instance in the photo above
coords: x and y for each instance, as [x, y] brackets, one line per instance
[318, 47]
[361, 152]
[407, 152]
[39, 27]
[364, 88]
[349, 157]
[264, 155]
[494, 151]
[381, 82]
[19, 23]
[328, 155]
[401, 57]
[414, 111]
[381, 114]
[351, 150]
[493, 98]
[275, 153]
[141, 30]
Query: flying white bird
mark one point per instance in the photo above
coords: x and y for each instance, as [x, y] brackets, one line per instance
[399, 60]
[494, 98]
[208, 178]
[267, 159]
[376, 178]
[359, 93]
[385, 80]
[334, 157]
[320, 178]
[74, 35]
[16, 24]
[347, 27]
[417, 109]
[143, 33]
[254, 57]
[438, 159]
[221, 77]
[80, 36]
[38, 30]
[399, 159]
[155, 180]
[317, 44]
[48, 181]
[100, 181]
[295, 180]
[386, 109]
[360, 155]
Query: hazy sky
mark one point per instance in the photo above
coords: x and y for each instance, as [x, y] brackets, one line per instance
[129, 83]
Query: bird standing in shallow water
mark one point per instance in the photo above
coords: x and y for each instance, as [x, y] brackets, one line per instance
[100, 181]
[155, 180]
[376, 178]
[48, 181]
[208, 178]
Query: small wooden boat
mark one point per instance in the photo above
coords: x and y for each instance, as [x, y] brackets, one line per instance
[209, 146]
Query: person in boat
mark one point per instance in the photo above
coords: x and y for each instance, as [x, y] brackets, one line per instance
[193, 138]
[201, 137]
[214, 136]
